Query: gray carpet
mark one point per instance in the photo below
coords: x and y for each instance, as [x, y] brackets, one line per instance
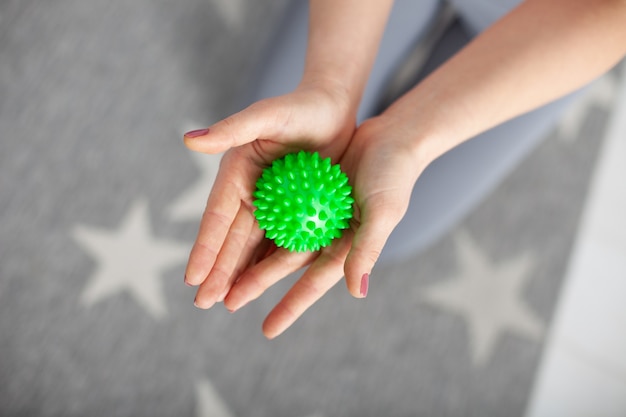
[100, 203]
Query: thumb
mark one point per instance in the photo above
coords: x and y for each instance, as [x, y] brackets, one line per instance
[256, 121]
[376, 226]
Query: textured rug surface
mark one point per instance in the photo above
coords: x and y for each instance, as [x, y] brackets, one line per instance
[100, 203]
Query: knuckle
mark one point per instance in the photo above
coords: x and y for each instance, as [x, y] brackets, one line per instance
[369, 255]
[254, 283]
[308, 291]
[207, 250]
[229, 128]
[218, 277]
[215, 216]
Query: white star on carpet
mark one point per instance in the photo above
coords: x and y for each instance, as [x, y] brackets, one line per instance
[488, 296]
[208, 401]
[129, 259]
[232, 11]
[191, 203]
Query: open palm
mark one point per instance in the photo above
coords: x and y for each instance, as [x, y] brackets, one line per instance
[230, 247]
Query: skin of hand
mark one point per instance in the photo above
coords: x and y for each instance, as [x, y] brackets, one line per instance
[538, 52]
[230, 260]
[383, 172]
[229, 240]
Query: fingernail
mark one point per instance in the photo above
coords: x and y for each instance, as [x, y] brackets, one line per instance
[207, 304]
[236, 307]
[365, 282]
[186, 283]
[196, 133]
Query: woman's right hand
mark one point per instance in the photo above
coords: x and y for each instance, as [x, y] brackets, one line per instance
[313, 117]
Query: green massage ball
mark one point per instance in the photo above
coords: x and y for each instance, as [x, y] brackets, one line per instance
[303, 202]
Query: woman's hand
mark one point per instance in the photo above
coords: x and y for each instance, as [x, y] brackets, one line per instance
[319, 115]
[382, 168]
[312, 117]
[470, 93]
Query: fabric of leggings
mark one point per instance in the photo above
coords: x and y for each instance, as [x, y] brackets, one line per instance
[456, 182]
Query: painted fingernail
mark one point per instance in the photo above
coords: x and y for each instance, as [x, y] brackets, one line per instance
[197, 304]
[365, 282]
[206, 303]
[196, 133]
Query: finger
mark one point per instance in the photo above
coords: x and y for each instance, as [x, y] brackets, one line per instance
[266, 273]
[320, 277]
[223, 269]
[263, 251]
[260, 120]
[255, 240]
[370, 237]
[222, 207]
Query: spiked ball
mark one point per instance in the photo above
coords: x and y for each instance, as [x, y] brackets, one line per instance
[303, 202]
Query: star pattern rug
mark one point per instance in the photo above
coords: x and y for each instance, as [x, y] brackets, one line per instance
[100, 204]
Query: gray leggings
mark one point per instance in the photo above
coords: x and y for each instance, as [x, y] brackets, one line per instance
[456, 182]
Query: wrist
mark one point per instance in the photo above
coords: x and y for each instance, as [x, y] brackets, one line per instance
[333, 88]
[420, 137]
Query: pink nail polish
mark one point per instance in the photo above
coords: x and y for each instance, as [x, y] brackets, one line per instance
[365, 282]
[196, 133]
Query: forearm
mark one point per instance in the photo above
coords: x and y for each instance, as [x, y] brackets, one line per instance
[540, 51]
[344, 36]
